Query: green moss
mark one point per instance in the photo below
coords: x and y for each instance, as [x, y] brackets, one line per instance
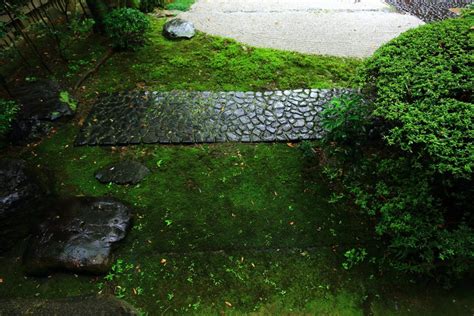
[249, 225]
[182, 5]
[212, 63]
[224, 228]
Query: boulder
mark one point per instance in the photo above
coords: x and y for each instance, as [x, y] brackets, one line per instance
[178, 28]
[123, 172]
[80, 305]
[78, 235]
[21, 196]
[40, 105]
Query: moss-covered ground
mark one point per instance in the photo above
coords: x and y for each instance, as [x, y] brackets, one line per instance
[223, 228]
[182, 5]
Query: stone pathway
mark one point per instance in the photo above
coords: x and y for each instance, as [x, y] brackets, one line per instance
[429, 10]
[353, 28]
[197, 117]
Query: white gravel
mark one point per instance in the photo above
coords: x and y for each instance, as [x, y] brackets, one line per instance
[328, 27]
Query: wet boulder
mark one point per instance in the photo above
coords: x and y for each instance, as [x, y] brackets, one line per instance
[178, 28]
[22, 194]
[42, 102]
[80, 305]
[122, 172]
[78, 235]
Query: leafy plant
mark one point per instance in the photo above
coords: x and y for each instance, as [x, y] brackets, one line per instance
[345, 118]
[126, 28]
[81, 27]
[65, 98]
[8, 110]
[354, 257]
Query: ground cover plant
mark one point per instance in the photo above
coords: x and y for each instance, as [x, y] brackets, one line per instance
[223, 228]
[182, 5]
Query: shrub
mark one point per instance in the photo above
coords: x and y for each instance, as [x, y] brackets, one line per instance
[414, 174]
[8, 110]
[422, 82]
[150, 5]
[126, 28]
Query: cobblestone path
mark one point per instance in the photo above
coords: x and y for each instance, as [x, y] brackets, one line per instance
[429, 10]
[198, 117]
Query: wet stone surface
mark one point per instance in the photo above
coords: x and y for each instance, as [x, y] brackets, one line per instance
[429, 10]
[206, 117]
[79, 305]
[40, 106]
[78, 235]
[21, 194]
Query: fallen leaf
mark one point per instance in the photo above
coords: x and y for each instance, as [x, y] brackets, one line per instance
[291, 145]
[228, 304]
[455, 10]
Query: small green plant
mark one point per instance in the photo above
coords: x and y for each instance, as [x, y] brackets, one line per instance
[126, 28]
[8, 111]
[345, 117]
[354, 257]
[66, 98]
[81, 27]
[307, 148]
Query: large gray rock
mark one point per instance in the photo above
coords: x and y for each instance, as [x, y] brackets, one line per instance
[21, 197]
[40, 105]
[78, 235]
[71, 306]
[178, 28]
[122, 172]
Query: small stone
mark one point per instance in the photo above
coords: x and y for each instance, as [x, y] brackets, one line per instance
[239, 112]
[244, 119]
[300, 123]
[123, 172]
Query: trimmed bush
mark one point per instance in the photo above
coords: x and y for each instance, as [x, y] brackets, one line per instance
[126, 28]
[422, 83]
[406, 157]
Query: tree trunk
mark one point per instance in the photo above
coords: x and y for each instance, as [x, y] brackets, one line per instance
[98, 9]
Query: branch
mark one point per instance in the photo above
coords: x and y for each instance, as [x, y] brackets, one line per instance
[99, 63]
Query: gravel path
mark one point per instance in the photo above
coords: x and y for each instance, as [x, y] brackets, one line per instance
[329, 27]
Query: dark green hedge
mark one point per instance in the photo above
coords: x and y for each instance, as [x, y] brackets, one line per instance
[422, 82]
[406, 153]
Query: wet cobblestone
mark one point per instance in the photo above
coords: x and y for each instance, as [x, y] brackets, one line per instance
[429, 10]
[205, 117]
